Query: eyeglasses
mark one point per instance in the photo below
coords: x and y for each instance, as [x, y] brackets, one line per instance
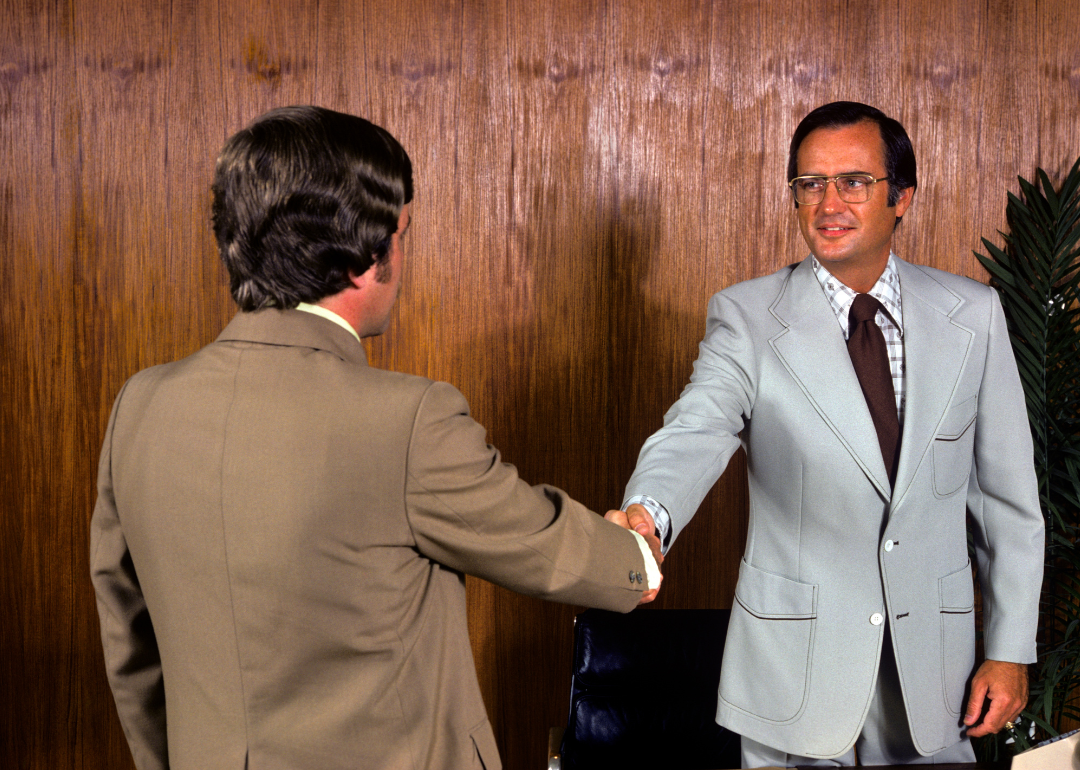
[852, 188]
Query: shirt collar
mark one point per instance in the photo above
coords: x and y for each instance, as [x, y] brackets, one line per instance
[886, 290]
[329, 315]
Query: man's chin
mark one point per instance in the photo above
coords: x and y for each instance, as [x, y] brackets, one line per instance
[828, 256]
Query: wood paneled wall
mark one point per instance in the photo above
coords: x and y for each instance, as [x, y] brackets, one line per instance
[588, 173]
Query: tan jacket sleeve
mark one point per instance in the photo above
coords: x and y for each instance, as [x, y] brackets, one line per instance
[132, 660]
[471, 512]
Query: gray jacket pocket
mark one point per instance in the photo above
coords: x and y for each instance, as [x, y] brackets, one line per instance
[956, 595]
[769, 645]
[954, 445]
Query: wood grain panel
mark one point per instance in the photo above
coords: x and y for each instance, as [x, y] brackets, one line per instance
[39, 604]
[942, 90]
[545, 386]
[587, 175]
[414, 86]
[126, 310]
[658, 192]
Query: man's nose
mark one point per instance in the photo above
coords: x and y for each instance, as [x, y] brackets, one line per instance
[831, 200]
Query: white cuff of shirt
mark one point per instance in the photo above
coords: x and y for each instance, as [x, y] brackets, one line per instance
[652, 572]
[661, 518]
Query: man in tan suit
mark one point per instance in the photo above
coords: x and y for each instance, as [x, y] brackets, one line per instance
[281, 531]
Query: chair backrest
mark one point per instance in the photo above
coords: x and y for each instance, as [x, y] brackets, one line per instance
[644, 691]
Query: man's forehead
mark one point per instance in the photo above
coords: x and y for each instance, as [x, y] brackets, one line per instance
[857, 144]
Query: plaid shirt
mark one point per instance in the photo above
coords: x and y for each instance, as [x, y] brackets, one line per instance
[891, 322]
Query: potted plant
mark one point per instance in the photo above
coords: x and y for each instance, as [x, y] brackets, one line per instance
[1037, 274]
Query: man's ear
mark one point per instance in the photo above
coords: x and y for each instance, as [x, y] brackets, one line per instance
[359, 281]
[903, 203]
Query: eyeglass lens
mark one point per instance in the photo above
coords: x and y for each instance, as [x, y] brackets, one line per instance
[854, 188]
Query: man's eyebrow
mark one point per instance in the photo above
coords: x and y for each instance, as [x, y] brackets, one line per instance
[842, 173]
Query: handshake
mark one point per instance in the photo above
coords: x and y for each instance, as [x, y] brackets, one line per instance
[638, 519]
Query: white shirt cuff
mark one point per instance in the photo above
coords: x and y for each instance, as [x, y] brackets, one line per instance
[652, 572]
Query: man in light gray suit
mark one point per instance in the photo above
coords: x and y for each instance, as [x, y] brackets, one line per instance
[852, 636]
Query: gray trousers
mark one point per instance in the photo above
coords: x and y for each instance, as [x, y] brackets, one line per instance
[885, 737]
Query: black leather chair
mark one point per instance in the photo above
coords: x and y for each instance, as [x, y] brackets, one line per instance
[644, 692]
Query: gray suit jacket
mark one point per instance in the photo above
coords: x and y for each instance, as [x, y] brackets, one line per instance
[832, 551]
[278, 548]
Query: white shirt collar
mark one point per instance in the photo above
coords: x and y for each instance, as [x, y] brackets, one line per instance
[329, 315]
[886, 290]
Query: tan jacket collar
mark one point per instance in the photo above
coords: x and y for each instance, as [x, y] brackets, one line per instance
[294, 328]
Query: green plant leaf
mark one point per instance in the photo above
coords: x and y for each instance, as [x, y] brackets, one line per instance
[1036, 272]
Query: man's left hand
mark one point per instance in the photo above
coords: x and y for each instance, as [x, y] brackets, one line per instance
[1006, 685]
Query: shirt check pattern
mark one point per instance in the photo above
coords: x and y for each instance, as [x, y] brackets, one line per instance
[891, 322]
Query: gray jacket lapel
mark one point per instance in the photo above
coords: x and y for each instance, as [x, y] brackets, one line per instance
[935, 352]
[813, 350]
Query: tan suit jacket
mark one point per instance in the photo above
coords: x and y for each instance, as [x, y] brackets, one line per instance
[835, 558]
[278, 551]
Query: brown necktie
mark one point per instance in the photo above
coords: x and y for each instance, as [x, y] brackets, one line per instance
[866, 346]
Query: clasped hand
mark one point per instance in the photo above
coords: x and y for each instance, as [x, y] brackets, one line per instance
[636, 518]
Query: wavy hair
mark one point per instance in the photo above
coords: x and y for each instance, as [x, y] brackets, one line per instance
[304, 197]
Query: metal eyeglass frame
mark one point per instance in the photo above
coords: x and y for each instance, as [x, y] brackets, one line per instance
[868, 178]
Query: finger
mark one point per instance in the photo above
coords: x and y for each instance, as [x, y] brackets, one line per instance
[975, 702]
[1001, 707]
[640, 519]
[619, 517]
[648, 596]
[991, 723]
